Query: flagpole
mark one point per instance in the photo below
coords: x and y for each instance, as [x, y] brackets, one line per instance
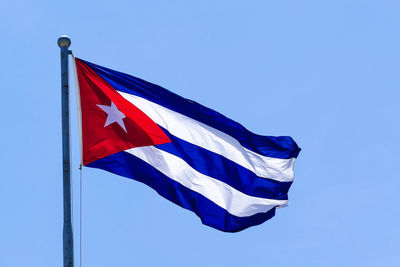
[68, 243]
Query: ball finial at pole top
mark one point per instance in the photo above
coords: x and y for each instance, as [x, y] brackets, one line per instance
[64, 41]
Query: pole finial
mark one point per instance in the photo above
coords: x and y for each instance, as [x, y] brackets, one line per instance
[64, 41]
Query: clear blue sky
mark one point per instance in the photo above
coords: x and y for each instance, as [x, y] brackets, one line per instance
[324, 72]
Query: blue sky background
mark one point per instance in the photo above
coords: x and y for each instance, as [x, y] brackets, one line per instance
[324, 72]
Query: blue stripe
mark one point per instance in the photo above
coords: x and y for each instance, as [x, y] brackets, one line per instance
[225, 170]
[129, 166]
[278, 147]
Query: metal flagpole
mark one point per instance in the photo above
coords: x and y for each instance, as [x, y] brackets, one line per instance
[64, 42]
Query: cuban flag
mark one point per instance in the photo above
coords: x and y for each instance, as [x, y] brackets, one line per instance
[190, 154]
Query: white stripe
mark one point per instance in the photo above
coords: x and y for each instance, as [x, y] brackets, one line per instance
[225, 196]
[214, 140]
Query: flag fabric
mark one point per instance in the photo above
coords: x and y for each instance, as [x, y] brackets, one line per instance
[190, 154]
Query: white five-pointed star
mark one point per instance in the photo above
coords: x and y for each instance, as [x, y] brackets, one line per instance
[113, 115]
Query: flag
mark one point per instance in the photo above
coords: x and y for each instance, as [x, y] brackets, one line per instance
[190, 154]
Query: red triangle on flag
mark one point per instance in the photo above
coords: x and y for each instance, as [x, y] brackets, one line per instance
[110, 123]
